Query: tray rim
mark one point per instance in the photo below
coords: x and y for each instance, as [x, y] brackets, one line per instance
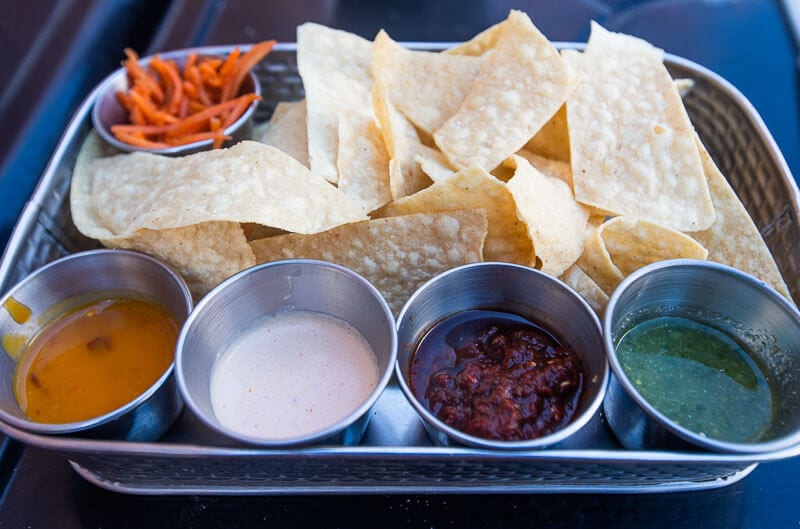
[682, 486]
[64, 445]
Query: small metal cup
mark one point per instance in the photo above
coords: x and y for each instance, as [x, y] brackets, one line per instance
[240, 302]
[525, 292]
[76, 280]
[726, 299]
[108, 111]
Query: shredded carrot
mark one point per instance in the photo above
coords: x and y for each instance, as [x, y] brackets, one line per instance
[138, 141]
[241, 104]
[244, 65]
[199, 120]
[199, 136]
[190, 61]
[168, 105]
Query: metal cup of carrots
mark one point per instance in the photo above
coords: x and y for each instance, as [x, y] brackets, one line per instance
[179, 101]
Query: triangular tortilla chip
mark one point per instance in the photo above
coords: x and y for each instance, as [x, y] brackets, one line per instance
[632, 145]
[362, 161]
[427, 87]
[556, 223]
[552, 140]
[622, 245]
[335, 67]
[548, 166]
[480, 43]
[204, 254]
[733, 239]
[403, 252]
[521, 84]
[585, 286]
[402, 143]
[249, 182]
[287, 130]
[508, 238]
[434, 164]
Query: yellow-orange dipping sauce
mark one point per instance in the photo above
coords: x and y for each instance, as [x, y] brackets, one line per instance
[95, 359]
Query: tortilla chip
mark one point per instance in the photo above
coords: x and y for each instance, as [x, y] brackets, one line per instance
[632, 145]
[550, 167]
[521, 84]
[287, 130]
[363, 162]
[480, 43]
[634, 243]
[552, 140]
[622, 245]
[249, 182]
[434, 164]
[586, 288]
[403, 252]
[205, 254]
[335, 67]
[508, 238]
[556, 223]
[84, 216]
[402, 143]
[596, 262]
[427, 87]
[734, 239]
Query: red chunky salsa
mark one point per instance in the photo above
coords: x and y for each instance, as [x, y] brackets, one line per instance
[497, 376]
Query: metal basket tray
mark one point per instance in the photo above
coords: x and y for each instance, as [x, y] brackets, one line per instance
[396, 456]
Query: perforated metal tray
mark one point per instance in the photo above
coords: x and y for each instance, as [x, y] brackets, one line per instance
[396, 455]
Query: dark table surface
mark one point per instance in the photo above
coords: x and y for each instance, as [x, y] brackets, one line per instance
[52, 53]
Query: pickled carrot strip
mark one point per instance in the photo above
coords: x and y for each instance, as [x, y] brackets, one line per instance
[253, 56]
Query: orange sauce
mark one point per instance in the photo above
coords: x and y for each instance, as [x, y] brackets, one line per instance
[95, 359]
[19, 312]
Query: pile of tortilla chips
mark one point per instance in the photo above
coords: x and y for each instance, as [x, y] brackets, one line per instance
[401, 164]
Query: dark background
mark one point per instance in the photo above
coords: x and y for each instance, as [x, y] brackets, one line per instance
[53, 52]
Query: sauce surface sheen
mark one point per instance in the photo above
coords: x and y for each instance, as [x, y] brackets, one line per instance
[496, 375]
[292, 375]
[95, 359]
[699, 377]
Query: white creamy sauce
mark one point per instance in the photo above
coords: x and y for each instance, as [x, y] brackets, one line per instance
[292, 375]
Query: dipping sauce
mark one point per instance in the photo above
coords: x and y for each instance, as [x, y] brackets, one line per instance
[94, 359]
[295, 374]
[699, 377]
[18, 312]
[496, 375]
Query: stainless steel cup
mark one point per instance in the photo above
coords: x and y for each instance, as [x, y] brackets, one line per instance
[76, 280]
[724, 298]
[520, 290]
[242, 301]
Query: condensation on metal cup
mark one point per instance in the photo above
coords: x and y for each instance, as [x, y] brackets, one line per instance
[87, 277]
[242, 301]
[523, 291]
[724, 298]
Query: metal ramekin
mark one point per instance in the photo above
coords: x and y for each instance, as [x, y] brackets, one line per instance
[264, 290]
[722, 297]
[523, 291]
[82, 278]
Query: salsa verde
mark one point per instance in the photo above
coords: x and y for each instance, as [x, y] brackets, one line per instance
[699, 377]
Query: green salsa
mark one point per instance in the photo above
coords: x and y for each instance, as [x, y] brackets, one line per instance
[699, 377]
